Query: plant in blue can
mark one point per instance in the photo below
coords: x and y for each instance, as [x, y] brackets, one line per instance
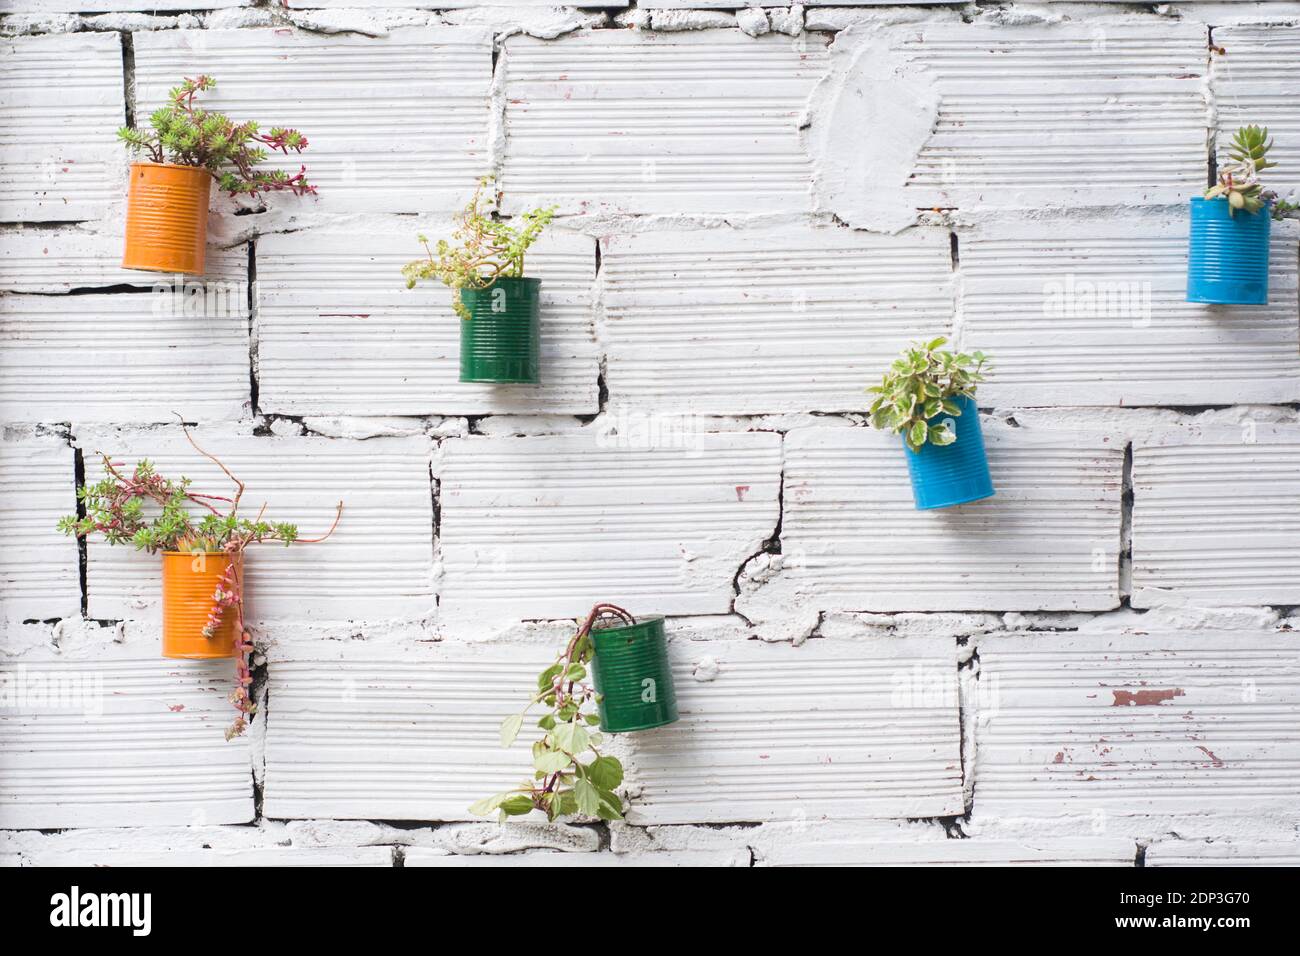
[927, 396]
[1228, 252]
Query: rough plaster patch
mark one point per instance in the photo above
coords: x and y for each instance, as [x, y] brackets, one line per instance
[868, 119]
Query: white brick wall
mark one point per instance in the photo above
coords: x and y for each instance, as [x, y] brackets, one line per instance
[1097, 666]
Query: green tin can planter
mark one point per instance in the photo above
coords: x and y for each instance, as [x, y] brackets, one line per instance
[631, 673]
[501, 341]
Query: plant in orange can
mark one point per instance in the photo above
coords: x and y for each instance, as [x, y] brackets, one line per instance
[187, 148]
[202, 539]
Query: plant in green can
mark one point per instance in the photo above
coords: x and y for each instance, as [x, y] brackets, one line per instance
[482, 247]
[570, 774]
[1239, 180]
[921, 384]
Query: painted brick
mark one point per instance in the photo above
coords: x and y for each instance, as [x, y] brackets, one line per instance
[1137, 724]
[1090, 851]
[545, 527]
[253, 856]
[829, 729]
[1215, 518]
[746, 322]
[399, 733]
[353, 96]
[657, 122]
[113, 6]
[731, 4]
[165, 357]
[853, 540]
[446, 4]
[1069, 107]
[128, 741]
[38, 566]
[545, 858]
[62, 106]
[339, 333]
[1284, 852]
[378, 564]
[60, 260]
[1257, 81]
[1093, 312]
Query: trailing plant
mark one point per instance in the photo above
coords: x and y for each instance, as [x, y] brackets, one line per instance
[482, 248]
[188, 135]
[922, 383]
[570, 774]
[1239, 180]
[154, 513]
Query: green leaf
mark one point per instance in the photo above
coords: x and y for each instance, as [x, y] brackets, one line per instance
[551, 761]
[606, 772]
[547, 677]
[510, 729]
[917, 435]
[517, 805]
[942, 435]
[587, 798]
[547, 722]
[572, 738]
[611, 807]
[485, 806]
[575, 672]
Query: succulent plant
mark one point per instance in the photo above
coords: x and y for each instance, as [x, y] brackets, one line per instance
[921, 384]
[482, 248]
[188, 135]
[1239, 179]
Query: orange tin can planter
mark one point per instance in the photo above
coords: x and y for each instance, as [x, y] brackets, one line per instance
[167, 218]
[189, 582]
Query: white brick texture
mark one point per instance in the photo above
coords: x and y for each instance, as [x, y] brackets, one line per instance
[340, 334]
[378, 565]
[1060, 113]
[117, 739]
[853, 540]
[1215, 518]
[548, 526]
[736, 322]
[354, 97]
[1093, 312]
[38, 566]
[827, 730]
[757, 208]
[61, 160]
[658, 122]
[1172, 724]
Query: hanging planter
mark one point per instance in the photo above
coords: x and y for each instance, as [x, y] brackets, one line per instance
[500, 308]
[189, 147]
[189, 581]
[167, 218]
[631, 688]
[202, 558]
[1227, 255]
[501, 341]
[632, 676]
[928, 398]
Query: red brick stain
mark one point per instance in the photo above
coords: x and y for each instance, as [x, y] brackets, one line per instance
[1060, 757]
[175, 708]
[740, 492]
[1144, 698]
[1210, 753]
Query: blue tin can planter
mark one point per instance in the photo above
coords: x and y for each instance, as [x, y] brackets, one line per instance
[1227, 258]
[947, 475]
